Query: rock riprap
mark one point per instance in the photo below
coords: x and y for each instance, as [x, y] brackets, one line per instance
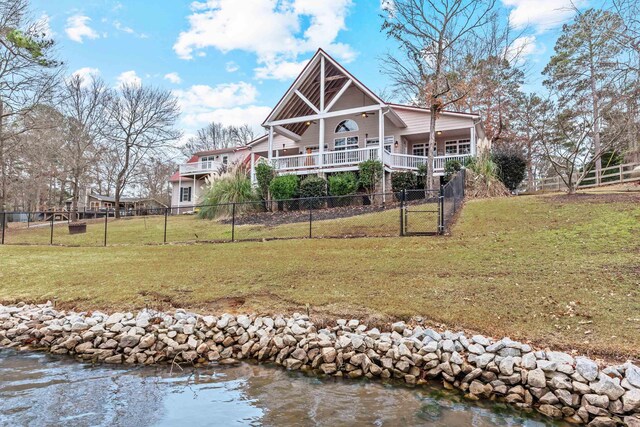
[557, 384]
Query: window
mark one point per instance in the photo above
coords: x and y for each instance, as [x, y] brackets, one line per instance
[388, 143]
[461, 146]
[225, 160]
[94, 205]
[185, 194]
[314, 149]
[419, 149]
[346, 126]
[348, 143]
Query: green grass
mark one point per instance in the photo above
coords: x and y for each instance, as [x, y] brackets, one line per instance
[561, 272]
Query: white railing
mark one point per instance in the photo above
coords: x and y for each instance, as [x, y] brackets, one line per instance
[200, 167]
[439, 162]
[348, 157]
[407, 161]
[302, 161]
[331, 159]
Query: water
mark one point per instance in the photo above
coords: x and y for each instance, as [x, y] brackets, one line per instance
[38, 389]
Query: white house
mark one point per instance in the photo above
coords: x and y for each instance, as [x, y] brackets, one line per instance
[329, 122]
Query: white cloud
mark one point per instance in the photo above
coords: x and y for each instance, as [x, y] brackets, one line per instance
[204, 97]
[231, 67]
[523, 47]
[295, 28]
[173, 78]
[78, 28]
[541, 15]
[44, 26]
[86, 72]
[120, 27]
[228, 103]
[128, 78]
[280, 70]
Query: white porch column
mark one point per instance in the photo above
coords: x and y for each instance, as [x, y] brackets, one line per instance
[474, 142]
[179, 191]
[253, 168]
[194, 196]
[321, 142]
[270, 145]
[381, 149]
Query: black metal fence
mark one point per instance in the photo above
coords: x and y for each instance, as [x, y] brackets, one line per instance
[452, 196]
[410, 212]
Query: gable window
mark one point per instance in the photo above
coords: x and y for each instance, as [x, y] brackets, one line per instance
[347, 143]
[185, 194]
[460, 147]
[346, 126]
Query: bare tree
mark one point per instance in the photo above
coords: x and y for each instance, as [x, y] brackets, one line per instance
[153, 178]
[433, 36]
[142, 121]
[27, 77]
[83, 103]
[215, 136]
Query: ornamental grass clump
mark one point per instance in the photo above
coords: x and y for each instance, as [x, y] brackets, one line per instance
[233, 187]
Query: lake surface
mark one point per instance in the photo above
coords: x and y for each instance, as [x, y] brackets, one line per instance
[38, 389]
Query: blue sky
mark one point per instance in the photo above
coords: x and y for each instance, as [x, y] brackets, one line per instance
[231, 60]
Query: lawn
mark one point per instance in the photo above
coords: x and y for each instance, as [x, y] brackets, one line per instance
[558, 271]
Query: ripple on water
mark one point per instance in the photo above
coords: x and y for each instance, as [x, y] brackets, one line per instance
[39, 389]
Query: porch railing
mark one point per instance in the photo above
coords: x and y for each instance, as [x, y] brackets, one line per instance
[199, 167]
[345, 157]
[353, 157]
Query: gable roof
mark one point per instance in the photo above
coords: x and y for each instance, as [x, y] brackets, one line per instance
[307, 84]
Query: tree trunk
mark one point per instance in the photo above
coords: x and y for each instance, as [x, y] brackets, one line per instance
[595, 116]
[530, 183]
[429, 182]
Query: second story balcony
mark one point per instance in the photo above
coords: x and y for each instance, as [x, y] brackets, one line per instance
[200, 168]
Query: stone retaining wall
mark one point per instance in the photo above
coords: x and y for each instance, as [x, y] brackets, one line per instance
[556, 384]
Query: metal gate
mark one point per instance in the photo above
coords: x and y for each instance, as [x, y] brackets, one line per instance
[420, 212]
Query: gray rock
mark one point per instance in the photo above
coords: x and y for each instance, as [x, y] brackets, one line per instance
[328, 354]
[113, 319]
[631, 400]
[560, 357]
[448, 346]
[476, 349]
[506, 365]
[129, 341]
[481, 339]
[550, 411]
[529, 361]
[632, 374]
[608, 386]
[546, 365]
[483, 360]
[602, 422]
[536, 378]
[587, 368]
[398, 327]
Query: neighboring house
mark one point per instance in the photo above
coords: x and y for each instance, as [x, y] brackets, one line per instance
[92, 202]
[329, 122]
[188, 183]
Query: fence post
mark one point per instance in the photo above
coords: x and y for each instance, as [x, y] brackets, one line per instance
[28, 219]
[4, 224]
[53, 215]
[441, 220]
[310, 221]
[621, 178]
[402, 208]
[233, 223]
[166, 215]
[106, 221]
